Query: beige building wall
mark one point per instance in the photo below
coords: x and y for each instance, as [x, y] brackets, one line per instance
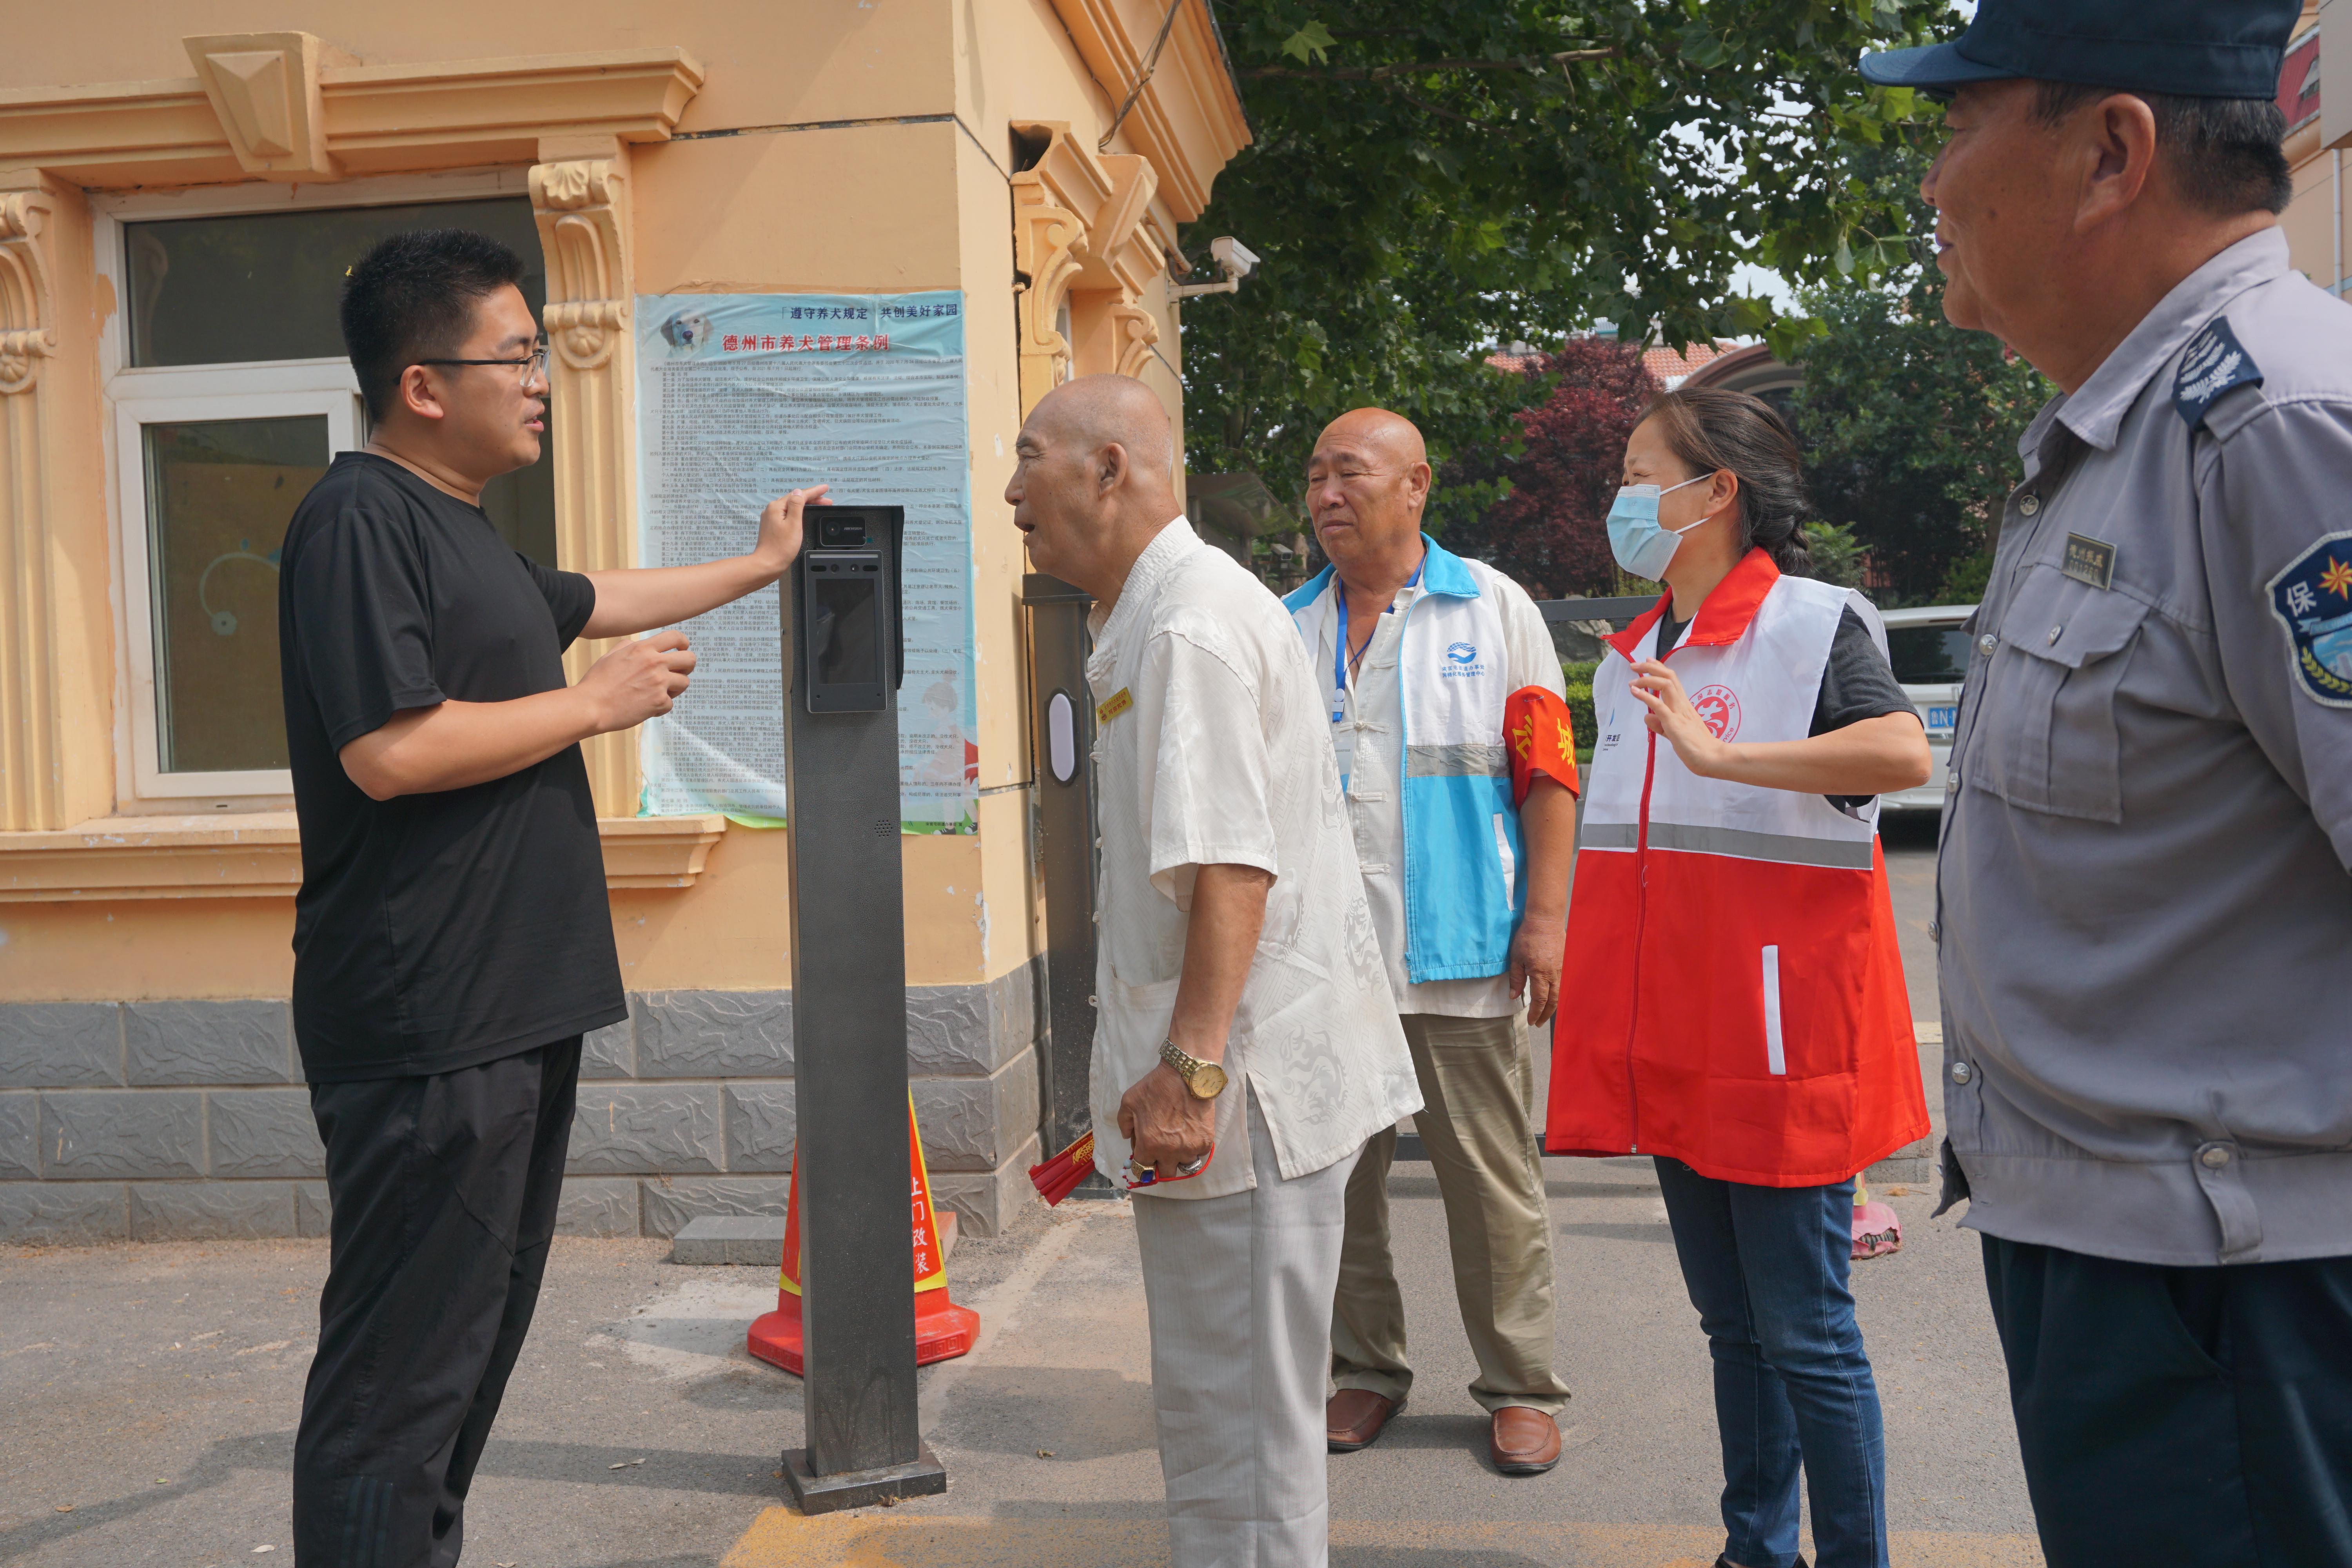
[2314, 223]
[715, 146]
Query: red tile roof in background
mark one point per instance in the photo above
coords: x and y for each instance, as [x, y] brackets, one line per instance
[1669, 366]
[2292, 101]
[1663, 362]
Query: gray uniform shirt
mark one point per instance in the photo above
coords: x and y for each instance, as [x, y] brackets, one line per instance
[2145, 920]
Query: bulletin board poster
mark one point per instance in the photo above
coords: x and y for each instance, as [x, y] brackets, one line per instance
[741, 397]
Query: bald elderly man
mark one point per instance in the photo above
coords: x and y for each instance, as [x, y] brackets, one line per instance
[1245, 1045]
[1447, 714]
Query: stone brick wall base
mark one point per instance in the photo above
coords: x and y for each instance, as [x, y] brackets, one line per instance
[188, 1119]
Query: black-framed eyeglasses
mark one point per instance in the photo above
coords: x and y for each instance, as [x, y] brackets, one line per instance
[532, 367]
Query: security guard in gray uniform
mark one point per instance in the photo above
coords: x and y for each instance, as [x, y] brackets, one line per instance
[2144, 918]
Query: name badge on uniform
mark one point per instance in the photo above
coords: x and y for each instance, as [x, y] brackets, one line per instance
[1111, 706]
[2091, 561]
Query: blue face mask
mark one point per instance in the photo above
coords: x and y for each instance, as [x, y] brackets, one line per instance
[1641, 546]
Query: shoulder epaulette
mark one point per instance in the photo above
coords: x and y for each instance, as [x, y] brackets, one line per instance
[2213, 362]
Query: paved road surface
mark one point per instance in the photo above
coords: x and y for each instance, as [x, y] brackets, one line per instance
[148, 1396]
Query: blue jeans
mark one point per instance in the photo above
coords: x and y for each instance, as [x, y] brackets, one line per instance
[1767, 1268]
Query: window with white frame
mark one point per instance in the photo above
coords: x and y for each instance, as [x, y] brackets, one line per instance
[231, 394]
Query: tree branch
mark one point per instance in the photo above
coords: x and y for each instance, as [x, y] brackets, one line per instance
[1382, 73]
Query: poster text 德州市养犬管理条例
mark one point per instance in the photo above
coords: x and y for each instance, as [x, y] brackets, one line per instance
[741, 397]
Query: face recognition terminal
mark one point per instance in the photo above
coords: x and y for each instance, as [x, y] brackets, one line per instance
[841, 609]
[851, 608]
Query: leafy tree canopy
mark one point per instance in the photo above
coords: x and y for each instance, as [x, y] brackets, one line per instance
[1551, 533]
[1910, 426]
[1431, 177]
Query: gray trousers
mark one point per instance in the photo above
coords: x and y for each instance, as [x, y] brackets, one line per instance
[1239, 1292]
[1477, 1089]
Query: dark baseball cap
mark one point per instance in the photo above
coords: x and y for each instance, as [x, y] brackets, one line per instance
[2191, 48]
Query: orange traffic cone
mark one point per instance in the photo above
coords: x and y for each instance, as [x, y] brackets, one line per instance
[942, 1329]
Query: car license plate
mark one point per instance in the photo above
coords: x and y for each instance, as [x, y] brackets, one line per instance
[1942, 717]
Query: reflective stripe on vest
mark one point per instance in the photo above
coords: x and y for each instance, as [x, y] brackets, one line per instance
[1732, 992]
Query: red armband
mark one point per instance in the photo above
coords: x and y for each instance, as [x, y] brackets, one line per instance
[1542, 739]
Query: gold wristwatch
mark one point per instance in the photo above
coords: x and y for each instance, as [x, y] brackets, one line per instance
[1205, 1079]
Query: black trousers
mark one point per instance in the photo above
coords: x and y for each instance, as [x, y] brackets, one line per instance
[444, 1190]
[2198, 1417]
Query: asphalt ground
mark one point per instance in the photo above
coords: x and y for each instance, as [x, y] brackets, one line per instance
[149, 1394]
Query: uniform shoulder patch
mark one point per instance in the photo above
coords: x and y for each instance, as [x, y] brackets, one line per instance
[2212, 363]
[2312, 600]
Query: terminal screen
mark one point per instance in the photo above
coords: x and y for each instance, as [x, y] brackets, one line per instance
[844, 640]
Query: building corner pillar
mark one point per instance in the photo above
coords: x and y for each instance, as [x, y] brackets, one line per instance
[31, 792]
[579, 193]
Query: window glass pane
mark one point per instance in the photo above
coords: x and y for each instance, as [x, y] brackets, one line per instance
[1928, 656]
[219, 494]
[264, 286]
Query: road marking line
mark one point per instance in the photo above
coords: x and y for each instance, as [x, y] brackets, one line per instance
[782, 1539]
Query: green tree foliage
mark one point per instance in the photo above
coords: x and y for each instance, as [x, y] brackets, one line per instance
[1839, 555]
[1428, 177]
[1549, 534]
[1910, 426]
[1576, 675]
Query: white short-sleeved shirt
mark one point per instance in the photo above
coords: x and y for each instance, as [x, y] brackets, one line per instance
[1371, 730]
[1210, 748]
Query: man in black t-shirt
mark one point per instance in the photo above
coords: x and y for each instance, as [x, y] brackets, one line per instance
[452, 938]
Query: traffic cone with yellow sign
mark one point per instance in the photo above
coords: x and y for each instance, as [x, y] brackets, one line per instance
[942, 1330]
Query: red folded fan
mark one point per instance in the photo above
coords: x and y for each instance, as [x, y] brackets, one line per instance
[1057, 1178]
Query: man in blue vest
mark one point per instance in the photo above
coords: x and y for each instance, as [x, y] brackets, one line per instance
[1428, 663]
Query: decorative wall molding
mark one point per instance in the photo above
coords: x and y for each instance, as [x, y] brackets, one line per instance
[582, 205]
[285, 107]
[658, 851]
[259, 855]
[28, 310]
[1079, 227]
[264, 88]
[1046, 237]
[1188, 120]
[30, 763]
[369, 119]
[1133, 331]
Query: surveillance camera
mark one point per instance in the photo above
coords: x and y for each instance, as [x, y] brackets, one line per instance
[1235, 258]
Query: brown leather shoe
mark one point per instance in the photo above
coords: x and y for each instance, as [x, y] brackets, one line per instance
[1355, 1416]
[1524, 1442]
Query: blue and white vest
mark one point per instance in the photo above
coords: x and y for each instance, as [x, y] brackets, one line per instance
[1462, 893]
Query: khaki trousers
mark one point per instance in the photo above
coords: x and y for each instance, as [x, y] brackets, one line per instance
[1239, 1291]
[1477, 1085]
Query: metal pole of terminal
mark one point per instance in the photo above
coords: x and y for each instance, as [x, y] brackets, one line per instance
[849, 1023]
[1062, 723]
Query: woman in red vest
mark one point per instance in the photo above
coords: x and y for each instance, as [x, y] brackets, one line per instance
[1740, 1011]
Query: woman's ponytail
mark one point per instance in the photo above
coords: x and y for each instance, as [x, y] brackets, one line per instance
[1709, 428]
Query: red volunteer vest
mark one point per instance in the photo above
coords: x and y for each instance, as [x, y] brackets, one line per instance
[1732, 993]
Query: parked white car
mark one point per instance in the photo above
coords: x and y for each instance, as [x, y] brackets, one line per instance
[1930, 655]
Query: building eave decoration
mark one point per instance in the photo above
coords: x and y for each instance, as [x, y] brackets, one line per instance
[257, 93]
[1079, 224]
[265, 90]
[1188, 119]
